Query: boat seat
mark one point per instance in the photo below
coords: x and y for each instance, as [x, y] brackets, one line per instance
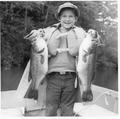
[84, 109]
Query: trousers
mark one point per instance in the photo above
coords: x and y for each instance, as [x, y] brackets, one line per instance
[60, 93]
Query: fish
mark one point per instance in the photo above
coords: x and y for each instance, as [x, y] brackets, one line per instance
[86, 63]
[38, 61]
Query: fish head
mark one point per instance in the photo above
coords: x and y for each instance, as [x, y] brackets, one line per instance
[38, 45]
[31, 36]
[93, 33]
[34, 34]
[36, 38]
[100, 41]
[95, 38]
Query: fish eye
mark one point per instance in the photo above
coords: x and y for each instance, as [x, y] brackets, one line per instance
[93, 40]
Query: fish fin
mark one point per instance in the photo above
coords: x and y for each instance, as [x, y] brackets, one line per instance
[29, 76]
[41, 50]
[84, 58]
[33, 94]
[42, 60]
[43, 80]
[28, 92]
[93, 76]
[87, 95]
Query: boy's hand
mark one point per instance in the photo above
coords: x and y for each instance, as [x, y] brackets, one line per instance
[60, 50]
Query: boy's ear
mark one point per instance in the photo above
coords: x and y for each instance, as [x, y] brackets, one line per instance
[59, 19]
[76, 19]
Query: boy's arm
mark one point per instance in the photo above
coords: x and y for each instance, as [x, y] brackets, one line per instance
[81, 34]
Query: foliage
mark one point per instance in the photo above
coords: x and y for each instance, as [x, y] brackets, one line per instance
[19, 18]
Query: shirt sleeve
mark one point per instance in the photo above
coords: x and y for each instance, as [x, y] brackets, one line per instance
[80, 34]
[50, 43]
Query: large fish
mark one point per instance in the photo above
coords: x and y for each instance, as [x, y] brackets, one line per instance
[38, 61]
[86, 63]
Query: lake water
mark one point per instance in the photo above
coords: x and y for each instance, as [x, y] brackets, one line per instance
[107, 78]
[10, 78]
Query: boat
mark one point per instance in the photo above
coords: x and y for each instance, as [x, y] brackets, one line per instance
[14, 103]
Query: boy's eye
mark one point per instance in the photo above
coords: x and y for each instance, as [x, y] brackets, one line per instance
[93, 40]
[67, 16]
[64, 16]
[71, 16]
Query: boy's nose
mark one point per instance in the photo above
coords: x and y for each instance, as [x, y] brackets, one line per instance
[67, 18]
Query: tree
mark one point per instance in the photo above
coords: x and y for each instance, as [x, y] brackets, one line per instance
[19, 18]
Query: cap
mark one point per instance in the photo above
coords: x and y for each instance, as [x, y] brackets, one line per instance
[67, 5]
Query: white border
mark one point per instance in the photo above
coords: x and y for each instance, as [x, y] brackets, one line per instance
[118, 67]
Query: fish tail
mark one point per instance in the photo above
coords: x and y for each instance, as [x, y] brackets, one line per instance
[33, 94]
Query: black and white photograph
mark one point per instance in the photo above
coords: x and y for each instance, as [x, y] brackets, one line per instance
[59, 58]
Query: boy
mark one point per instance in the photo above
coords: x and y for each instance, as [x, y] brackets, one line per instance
[63, 47]
[63, 40]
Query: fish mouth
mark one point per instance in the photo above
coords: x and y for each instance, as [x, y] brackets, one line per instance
[41, 51]
[36, 50]
[28, 36]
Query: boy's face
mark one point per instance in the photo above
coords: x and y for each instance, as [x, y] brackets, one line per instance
[67, 18]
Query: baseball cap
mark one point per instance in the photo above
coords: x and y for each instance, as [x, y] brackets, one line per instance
[65, 6]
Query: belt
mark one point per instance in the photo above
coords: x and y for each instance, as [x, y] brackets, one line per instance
[63, 73]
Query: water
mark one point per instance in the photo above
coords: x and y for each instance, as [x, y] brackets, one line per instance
[107, 78]
[10, 78]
